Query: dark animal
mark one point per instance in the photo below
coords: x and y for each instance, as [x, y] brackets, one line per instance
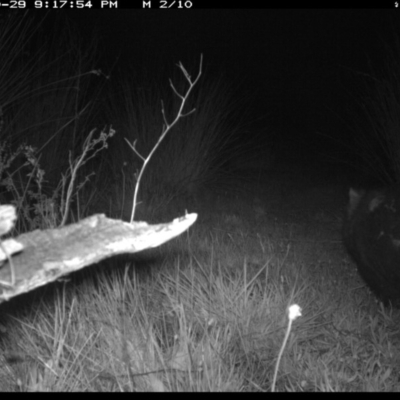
[371, 234]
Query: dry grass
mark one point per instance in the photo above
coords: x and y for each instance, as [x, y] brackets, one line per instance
[207, 312]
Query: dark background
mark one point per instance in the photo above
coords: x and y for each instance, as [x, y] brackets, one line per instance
[297, 71]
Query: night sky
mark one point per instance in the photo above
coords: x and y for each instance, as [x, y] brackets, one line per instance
[294, 69]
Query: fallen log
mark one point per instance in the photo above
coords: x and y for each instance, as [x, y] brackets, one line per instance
[39, 257]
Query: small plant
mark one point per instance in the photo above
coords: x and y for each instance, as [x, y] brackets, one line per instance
[166, 128]
[74, 165]
[37, 209]
[294, 312]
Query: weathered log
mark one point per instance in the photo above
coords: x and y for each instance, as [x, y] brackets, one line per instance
[40, 257]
